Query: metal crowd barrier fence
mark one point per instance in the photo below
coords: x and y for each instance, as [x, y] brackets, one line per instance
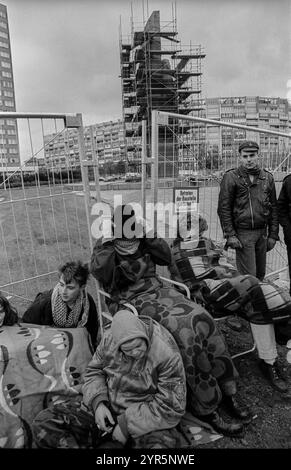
[191, 152]
[45, 217]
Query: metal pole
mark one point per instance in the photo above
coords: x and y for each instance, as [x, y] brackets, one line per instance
[15, 115]
[223, 123]
[85, 179]
[86, 188]
[143, 167]
[96, 165]
[155, 163]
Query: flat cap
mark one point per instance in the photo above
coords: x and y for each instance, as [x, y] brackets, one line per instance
[248, 144]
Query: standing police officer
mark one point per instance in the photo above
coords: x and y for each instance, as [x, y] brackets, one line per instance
[247, 209]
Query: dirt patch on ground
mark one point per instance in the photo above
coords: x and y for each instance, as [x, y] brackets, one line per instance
[272, 427]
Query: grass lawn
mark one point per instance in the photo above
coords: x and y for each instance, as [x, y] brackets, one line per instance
[37, 235]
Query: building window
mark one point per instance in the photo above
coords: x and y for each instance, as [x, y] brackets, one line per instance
[3, 25]
[3, 35]
[6, 65]
[6, 74]
[4, 44]
[9, 94]
[2, 14]
[10, 131]
[9, 122]
[4, 54]
[12, 141]
[8, 103]
[7, 84]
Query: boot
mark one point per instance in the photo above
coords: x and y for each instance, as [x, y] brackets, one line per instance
[236, 410]
[274, 375]
[234, 323]
[221, 426]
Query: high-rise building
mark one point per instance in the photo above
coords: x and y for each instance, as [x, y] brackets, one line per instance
[157, 72]
[256, 111]
[104, 144]
[9, 143]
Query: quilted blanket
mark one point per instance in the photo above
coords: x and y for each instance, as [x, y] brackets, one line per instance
[38, 365]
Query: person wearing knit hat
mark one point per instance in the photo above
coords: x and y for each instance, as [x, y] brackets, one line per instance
[134, 389]
[129, 275]
[247, 209]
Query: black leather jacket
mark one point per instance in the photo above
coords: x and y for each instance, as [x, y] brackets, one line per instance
[246, 205]
[284, 209]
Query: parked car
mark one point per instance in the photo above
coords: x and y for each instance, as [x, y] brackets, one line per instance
[132, 177]
[196, 179]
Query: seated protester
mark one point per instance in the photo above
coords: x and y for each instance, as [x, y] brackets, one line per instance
[8, 314]
[67, 305]
[222, 290]
[126, 267]
[134, 390]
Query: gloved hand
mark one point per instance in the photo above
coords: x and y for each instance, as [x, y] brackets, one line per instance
[270, 244]
[233, 242]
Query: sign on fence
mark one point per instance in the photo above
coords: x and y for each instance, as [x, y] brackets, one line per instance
[186, 199]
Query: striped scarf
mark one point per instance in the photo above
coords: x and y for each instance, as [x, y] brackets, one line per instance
[65, 318]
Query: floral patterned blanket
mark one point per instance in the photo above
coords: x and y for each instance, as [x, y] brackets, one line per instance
[38, 364]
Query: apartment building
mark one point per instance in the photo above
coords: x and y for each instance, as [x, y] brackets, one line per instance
[9, 143]
[256, 111]
[104, 143]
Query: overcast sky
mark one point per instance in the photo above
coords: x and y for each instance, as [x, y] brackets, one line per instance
[66, 52]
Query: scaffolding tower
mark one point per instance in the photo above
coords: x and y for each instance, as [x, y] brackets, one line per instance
[157, 72]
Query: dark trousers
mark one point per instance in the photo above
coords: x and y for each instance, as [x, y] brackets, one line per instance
[289, 263]
[251, 258]
[287, 240]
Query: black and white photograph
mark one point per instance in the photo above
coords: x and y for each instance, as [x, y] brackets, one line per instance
[145, 230]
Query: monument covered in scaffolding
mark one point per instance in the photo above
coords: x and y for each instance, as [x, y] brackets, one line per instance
[158, 73]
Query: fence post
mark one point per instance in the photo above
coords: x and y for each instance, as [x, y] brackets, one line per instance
[95, 160]
[86, 189]
[144, 167]
[155, 163]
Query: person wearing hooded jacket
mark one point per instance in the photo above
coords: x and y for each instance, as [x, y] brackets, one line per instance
[125, 265]
[134, 389]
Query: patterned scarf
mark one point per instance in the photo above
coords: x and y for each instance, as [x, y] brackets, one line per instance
[126, 247]
[64, 318]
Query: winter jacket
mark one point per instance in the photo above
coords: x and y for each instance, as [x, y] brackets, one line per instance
[147, 394]
[246, 205]
[284, 209]
[40, 313]
[128, 276]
